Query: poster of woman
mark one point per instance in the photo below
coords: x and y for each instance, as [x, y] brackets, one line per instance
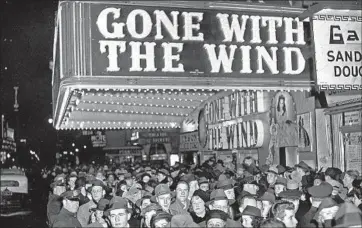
[304, 132]
[284, 107]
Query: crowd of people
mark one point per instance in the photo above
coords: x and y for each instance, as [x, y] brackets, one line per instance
[207, 195]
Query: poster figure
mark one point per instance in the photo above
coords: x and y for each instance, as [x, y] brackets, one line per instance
[281, 110]
[304, 132]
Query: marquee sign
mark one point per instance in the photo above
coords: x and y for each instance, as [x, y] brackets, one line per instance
[338, 50]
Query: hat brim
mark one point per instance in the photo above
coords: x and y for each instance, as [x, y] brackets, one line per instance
[271, 171]
[231, 201]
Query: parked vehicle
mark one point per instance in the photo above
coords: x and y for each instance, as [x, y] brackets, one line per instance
[14, 196]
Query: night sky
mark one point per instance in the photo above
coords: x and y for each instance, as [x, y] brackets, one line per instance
[27, 28]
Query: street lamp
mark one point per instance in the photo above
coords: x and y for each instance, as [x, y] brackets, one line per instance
[50, 120]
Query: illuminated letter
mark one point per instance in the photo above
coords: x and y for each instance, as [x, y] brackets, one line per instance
[169, 57]
[223, 59]
[146, 23]
[189, 27]
[288, 60]
[245, 59]
[171, 27]
[112, 52]
[235, 27]
[289, 31]
[136, 56]
[102, 24]
[272, 22]
[271, 61]
[255, 28]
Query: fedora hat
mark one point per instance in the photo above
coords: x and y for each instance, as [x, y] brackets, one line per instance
[219, 194]
[225, 184]
[303, 165]
[252, 211]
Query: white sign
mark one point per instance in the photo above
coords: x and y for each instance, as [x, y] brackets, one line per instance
[98, 140]
[338, 50]
[189, 141]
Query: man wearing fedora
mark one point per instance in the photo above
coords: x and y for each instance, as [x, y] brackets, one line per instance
[118, 213]
[54, 202]
[217, 219]
[163, 197]
[67, 215]
[251, 217]
[219, 201]
[97, 219]
[227, 185]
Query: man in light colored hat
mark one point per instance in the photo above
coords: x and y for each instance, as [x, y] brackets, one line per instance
[227, 186]
[219, 201]
[272, 175]
[163, 197]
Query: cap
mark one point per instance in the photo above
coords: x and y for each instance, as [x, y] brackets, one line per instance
[225, 184]
[217, 214]
[151, 207]
[321, 191]
[102, 205]
[268, 196]
[252, 211]
[281, 181]
[219, 194]
[71, 195]
[162, 189]
[281, 169]
[203, 180]
[290, 194]
[273, 169]
[164, 172]
[183, 220]
[119, 203]
[188, 178]
[303, 165]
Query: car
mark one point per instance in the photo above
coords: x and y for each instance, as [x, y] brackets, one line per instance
[14, 196]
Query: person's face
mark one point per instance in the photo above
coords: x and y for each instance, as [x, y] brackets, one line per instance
[110, 178]
[129, 182]
[145, 203]
[266, 206]
[295, 202]
[300, 171]
[230, 193]
[59, 190]
[198, 205]
[146, 179]
[279, 188]
[182, 192]
[271, 178]
[289, 219]
[161, 223]
[119, 218]
[164, 201]
[222, 205]
[71, 182]
[72, 205]
[247, 220]
[347, 180]
[99, 176]
[240, 172]
[99, 216]
[281, 103]
[97, 193]
[251, 188]
[148, 217]
[317, 182]
[215, 222]
[204, 187]
[160, 177]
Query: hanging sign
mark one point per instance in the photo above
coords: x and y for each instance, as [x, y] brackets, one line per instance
[338, 50]
[99, 139]
[189, 141]
[136, 40]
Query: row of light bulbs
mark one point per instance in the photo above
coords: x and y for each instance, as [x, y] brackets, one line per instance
[127, 123]
[143, 97]
[129, 112]
[138, 104]
[171, 90]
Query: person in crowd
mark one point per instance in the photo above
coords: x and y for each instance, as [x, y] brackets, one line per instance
[348, 216]
[129, 180]
[161, 219]
[183, 220]
[318, 193]
[326, 212]
[163, 197]
[67, 215]
[292, 194]
[250, 185]
[216, 219]
[285, 212]
[71, 179]
[97, 191]
[251, 217]
[118, 213]
[246, 200]
[219, 201]
[272, 176]
[162, 176]
[182, 203]
[280, 186]
[267, 199]
[80, 185]
[227, 185]
[96, 218]
[198, 210]
[147, 213]
[54, 202]
[204, 184]
[332, 173]
[272, 223]
[348, 179]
